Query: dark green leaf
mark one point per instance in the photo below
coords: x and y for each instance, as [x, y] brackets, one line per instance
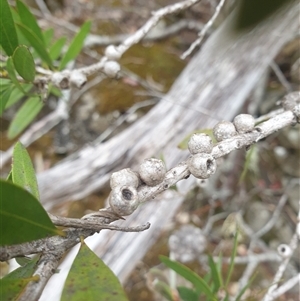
[200, 285]
[9, 177]
[251, 12]
[184, 143]
[11, 72]
[35, 43]
[4, 97]
[8, 34]
[24, 63]
[23, 173]
[22, 216]
[16, 94]
[22, 260]
[25, 270]
[216, 275]
[76, 45]
[24, 116]
[187, 294]
[56, 49]
[28, 19]
[90, 279]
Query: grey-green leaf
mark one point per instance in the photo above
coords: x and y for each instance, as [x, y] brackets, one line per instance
[24, 116]
[24, 63]
[23, 173]
[76, 45]
[8, 34]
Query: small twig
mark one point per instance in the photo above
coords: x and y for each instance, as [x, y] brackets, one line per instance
[281, 77]
[282, 267]
[221, 149]
[268, 226]
[289, 284]
[43, 7]
[204, 30]
[268, 115]
[93, 224]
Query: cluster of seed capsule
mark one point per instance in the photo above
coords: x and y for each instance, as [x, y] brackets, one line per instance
[124, 200]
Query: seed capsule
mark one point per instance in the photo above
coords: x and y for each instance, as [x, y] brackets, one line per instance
[224, 130]
[244, 123]
[200, 143]
[202, 166]
[152, 171]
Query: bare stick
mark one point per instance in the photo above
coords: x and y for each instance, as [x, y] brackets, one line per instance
[282, 267]
[93, 224]
[203, 32]
[289, 284]
[221, 149]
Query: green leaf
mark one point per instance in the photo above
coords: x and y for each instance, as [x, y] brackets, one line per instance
[187, 294]
[11, 72]
[231, 264]
[48, 36]
[24, 271]
[56, 49]
[184, 143]
[4, 83]
[24, 63]
[23, 173]
[8, 34]
[22, 216]
[24, 116]
[28, 19]
[12, 288]
[216, 275]
[76, 45]
[16, 94]
[36, 43]
[200, 285]
[90, 279]
[4, 97]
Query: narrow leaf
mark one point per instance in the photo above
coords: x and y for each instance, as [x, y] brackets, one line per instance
[48, 36]
[8, 34]
[28, 19]
[76, 45]
[4, 97]
[231, 264]
[24, 271]
[24, 116]
[23, 173]
[11, 72]
[35, 43]
[56, 49]
[22, 216]
[200, 285]
[16, 94]
[216, 275]
[90, 279]
[24, 63]
[187, 294]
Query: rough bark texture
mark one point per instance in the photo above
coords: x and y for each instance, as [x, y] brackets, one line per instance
[218, 79]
